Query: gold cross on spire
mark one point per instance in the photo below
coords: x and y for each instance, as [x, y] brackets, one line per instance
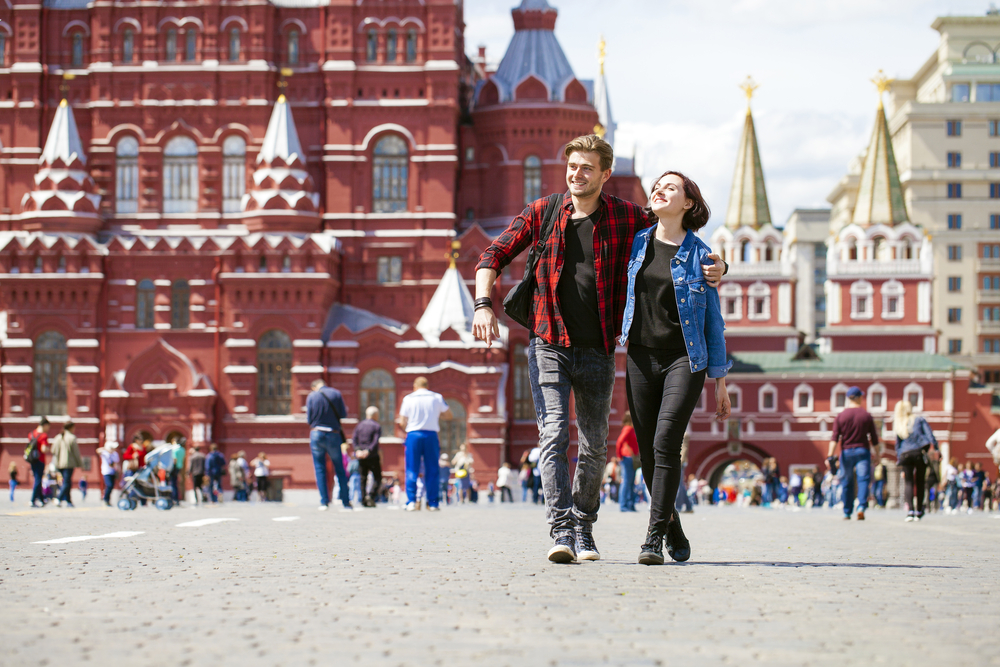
[748, 87]
[64, 87]
[602, 53]
[883, 83]
[453, 254]
[283, 73]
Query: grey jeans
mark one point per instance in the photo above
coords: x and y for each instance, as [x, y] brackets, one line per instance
[590, 373]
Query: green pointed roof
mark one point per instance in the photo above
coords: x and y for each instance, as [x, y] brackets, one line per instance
[880, 195]
[748, 198]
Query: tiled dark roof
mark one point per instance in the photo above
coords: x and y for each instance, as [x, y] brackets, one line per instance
[842, 362]
[357, 320]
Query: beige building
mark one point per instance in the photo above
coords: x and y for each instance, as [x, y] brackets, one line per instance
[945, 128]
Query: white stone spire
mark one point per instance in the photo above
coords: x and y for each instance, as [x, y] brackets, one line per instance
[281, 139]
[451, 307]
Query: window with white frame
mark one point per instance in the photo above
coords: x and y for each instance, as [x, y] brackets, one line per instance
[838, 398]
[180, 176]
[234, 173]
[767, 398]
[532, 179]
[759, 302]
[861, 300]
[877, 398]
[914, 393]
[735, 398]
[892, 300]
[731, 296]
[803, 399]
[390, 269]
[127, 175]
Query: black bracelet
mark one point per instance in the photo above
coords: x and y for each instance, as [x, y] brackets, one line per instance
[484, 302]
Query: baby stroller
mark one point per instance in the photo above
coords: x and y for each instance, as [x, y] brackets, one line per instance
[147, 484]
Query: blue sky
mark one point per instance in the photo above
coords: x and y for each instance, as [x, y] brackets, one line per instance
[674, 68]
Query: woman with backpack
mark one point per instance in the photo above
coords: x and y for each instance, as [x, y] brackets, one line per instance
[34, 454]
[915, 445]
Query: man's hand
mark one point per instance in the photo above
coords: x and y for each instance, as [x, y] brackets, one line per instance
[485, 326]
[713, 272]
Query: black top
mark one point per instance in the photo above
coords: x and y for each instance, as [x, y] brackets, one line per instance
[656, 322]
[577, 288]
[367, 434]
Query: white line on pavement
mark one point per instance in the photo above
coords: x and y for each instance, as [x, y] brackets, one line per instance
[285, 518]
[82, 538]
[202, 522]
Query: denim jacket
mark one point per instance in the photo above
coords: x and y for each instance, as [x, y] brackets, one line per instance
[920, 437]
[697, 303]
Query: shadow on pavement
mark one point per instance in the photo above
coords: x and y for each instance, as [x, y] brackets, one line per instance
[769, 563]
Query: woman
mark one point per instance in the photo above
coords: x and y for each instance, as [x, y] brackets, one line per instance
[109, 468]
[261, 473]
[914, 442]
[625, 449]
[673, 324]
[237, 480]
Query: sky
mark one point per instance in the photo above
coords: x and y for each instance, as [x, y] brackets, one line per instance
[674, 68]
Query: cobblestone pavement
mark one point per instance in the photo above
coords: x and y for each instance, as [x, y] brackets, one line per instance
[470, 585]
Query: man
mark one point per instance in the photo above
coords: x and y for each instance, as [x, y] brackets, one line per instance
[854, 431]
[215, 467]
[196, 469]
[324, 410]
[444, 475]
[418, 415]
[34, 454]
[366, 436]
[66, 457]
[577, 312]
[177, 482]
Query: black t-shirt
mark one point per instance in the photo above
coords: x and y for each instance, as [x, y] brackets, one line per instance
[577, 288]
[656, 322]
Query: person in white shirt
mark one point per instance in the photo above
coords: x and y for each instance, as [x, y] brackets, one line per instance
[418, 415]
[503, 483]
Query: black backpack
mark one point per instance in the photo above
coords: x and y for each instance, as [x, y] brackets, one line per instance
[33, 453]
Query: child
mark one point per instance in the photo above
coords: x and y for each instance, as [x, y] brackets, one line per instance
[83, 488]
[12, 473]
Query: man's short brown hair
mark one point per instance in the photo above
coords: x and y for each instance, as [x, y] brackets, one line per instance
[591, 143]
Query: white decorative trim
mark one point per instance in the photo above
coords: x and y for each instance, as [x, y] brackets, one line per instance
[759, 290]
[315, 368]
[131, 21]
[760, 398]
[307, 342]
[239, 369]
[240, 342]
[13, 368]
[448, 365]
[83, 369]
[784, 303]
[83, 342]
[877, 387]
[731, 292]
[840, 387]
[230, 19]
[76, 24]
[17, 342]
[892, 289]
[796, 409]
[343, 370]
[911, 388]
[736, 389]
[923, 302]
[862, 289]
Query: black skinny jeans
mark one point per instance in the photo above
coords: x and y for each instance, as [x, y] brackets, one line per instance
[914, 471]
[371, 464]
[662, 394]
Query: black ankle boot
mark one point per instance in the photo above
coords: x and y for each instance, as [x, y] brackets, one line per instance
[652, 549]
[678, 546]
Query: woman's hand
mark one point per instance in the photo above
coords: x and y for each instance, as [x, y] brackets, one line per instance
[723, 408]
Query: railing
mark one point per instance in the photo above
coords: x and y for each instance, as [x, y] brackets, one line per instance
[987, 326]
[988, 296]
[885, 267]
[755, 269]
[988, 264]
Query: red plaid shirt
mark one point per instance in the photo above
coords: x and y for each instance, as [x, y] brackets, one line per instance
[616, 222]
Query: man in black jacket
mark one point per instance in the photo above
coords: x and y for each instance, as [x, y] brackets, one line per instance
[366, 437]
[324, 410]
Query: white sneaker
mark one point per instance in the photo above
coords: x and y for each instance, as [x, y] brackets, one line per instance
[411, 507]
[323, 508]
[433, 509]
[346, 508]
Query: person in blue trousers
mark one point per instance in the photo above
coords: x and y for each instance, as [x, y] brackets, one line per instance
[419, 415]
[324, 410]
[854, 431]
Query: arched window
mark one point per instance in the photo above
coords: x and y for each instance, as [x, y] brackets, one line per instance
[881, 250]
[803, 399]
[851, 250]
[371, 46]
[452, 430]
[914, 393]
[234, 44]
[293, 47]
[861, 300]
[907, 249]
[769, 252]
[170, 47]
[127, 175]
[379, 389]
[180, 176]
[731, 295]
[838, 397]
[234, 173]
[876, 396]
[180, 305]
[145, 297]
[411, 45]
[3, 49]
[767, 398]
[77, 52]
[128, 46]
[50, 374]
[274, 373]
[190, 45]
[532, 179]
[524, 406]
[892, 300]
[745, 251]
[759, 302]
[390, 46]
[390, 174]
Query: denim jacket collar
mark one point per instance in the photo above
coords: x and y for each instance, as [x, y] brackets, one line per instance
[683, 250]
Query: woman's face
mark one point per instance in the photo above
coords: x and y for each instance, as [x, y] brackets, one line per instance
[668, 198]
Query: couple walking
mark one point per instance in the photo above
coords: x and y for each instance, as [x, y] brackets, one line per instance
[611, 269]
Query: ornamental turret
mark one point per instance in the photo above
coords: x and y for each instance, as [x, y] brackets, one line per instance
[282, 195]
[64, 196]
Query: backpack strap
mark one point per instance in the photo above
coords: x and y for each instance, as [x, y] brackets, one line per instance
[548, 222]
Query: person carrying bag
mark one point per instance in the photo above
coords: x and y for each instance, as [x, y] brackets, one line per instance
[916, 448]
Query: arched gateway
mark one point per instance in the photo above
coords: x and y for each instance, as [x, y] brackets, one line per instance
[708, 461]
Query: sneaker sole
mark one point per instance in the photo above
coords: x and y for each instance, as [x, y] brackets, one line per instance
[650, 559]
[588, 555]
[561, 554]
